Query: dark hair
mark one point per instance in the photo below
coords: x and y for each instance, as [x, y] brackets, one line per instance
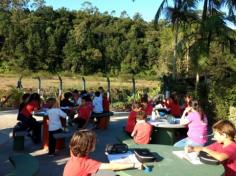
[82, 142]
[84, 98]
[226, 127]
[144, 99]
[173, 97]
[51, 102]
[34, 97]
[75, 91]
[67, 95]
[141, 115]
[195, 105]
[97, 93]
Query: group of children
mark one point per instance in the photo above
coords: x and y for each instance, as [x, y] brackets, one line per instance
[83, 141]
[84, 103]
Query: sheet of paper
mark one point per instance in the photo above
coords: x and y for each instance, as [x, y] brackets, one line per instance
[191, 157]
[128, 157]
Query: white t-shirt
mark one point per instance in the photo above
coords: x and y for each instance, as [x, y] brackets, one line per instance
[97, 104]
[54, 115]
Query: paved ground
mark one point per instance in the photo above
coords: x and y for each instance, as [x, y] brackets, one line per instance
[51, 166]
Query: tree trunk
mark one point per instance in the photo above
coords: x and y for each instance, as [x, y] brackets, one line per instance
[187, 58]
[176, 30]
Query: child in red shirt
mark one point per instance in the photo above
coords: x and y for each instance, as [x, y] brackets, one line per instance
[224, 149]
[172, 104]
[142, 130]
[84, 113]
[132, 118]
[82, 143]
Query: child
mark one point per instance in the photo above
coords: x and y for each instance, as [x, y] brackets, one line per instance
[26, 116]
[147, 106]
[197, 126]
[132, 118]
[82, 143]
[172, 104]
[97, 103]
[142, 130]
[84, 113]
[54, 123]
[224, 149]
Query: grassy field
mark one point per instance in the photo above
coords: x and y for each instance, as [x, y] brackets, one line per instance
[6, 81]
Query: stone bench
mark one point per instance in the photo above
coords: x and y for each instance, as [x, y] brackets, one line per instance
[104, 119]
[24, 164]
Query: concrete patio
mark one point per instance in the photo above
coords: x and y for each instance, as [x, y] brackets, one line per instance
[51, 166]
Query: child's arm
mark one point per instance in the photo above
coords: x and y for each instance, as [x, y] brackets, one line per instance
[217, 155]
[134, 132]
[119, 166]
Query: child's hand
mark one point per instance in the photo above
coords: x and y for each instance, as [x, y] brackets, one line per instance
[188, 149]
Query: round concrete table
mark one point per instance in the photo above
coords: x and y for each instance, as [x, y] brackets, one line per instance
[169, 164]
[165, 133]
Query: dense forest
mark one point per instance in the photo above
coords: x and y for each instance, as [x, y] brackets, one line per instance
[188, 42]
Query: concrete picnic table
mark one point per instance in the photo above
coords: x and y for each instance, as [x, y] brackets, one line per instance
[165, 132]
[169, 164]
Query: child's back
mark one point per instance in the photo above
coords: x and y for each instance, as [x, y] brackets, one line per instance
[54, 115]
[142, 130]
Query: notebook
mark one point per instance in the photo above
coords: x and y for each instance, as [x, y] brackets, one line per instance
[191, 157]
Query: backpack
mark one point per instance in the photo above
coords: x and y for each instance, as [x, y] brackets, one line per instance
[116, 148]
[144, 155]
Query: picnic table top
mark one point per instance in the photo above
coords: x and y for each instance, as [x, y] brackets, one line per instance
[169, 164]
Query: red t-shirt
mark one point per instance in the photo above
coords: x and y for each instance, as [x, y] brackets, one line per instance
[81, 166]
[174, 108]
[142, 131]
[149, 108]
[105, 103]
[84, 112]
[230, 151]
[29, 108]
[131, 122]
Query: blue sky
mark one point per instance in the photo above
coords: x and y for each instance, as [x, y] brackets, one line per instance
[147, 8]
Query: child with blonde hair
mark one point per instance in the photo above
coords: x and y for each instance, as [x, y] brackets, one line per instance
[54, 124]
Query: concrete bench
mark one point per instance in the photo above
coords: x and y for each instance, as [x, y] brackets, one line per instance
[18, 140]
[104, 119]
[24, 164]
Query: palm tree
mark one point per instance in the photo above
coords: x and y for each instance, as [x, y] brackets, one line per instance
[181, 12]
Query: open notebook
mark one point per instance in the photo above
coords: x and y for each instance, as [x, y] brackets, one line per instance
[128, 157]
[191, 157]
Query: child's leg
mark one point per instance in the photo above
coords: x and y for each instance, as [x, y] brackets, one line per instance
[182, 143]
[51, 143]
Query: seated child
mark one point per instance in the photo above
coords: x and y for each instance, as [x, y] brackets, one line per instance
[82, 143]
[132, 118]
[54, 124]
[142, 130]
[224, 149]
[84, 113]
[147, 106]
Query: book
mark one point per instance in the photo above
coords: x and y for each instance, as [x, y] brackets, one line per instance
[128, 157]
[191, 157]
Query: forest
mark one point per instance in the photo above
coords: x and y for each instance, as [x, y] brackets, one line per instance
[186, 43]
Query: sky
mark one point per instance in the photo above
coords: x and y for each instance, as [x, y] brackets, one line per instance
[147, 8]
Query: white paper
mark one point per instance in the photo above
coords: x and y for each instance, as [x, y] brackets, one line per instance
[128, 157]
[191, 157]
